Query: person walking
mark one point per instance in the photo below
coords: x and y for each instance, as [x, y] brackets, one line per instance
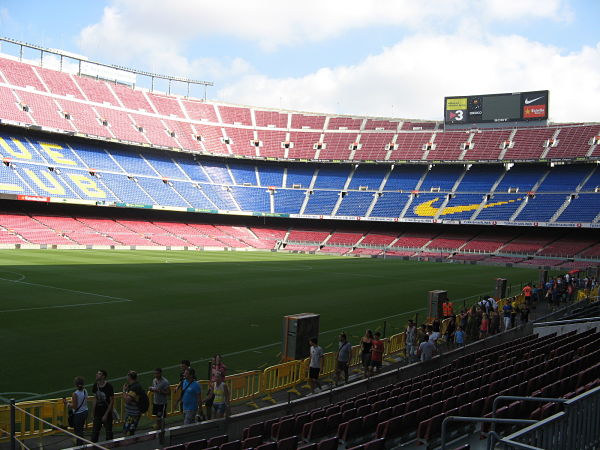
[78, 405]
[104, 400]
[507, 311]
[366, 343]
[411, 341]
[135, 397]
[191, 396]
[315, 364]
[216, 367]
[377, 350]
[426, 349]
[161, 389]
[221, 396]
[343, 359]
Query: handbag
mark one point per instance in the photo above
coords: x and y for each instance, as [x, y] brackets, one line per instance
[71, 416]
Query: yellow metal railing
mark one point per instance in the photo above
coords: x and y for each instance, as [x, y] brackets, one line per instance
[282, 376]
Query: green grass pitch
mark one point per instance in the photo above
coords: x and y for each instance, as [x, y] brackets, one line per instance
[68, 313]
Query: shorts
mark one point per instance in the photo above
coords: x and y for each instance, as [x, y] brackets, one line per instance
[130, 424]
[342, 366]
[313, 373]
[220, 408]
[189, 416]
[159, 411]
[376, 364]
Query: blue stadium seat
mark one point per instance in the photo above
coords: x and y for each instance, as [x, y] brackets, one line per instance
[522, 177]
[252, 199]
[193, 170]
[289, 201]
[501, 212]
[564, 178]
[584, 208]
[541, 208]
[162, 192]
[217, 172]
[368, 176]
[300, 175]
[270, 175]
[468, 203]
[132, 162]
[441, 176]
[11, 183]
[321, 202]
[243, 173]
[332, 177]
[404, 178]
[480, 178]
[165, 164]
[194, 195]
[220, 196]
[126, 190]
[390, 204]
[355, 204]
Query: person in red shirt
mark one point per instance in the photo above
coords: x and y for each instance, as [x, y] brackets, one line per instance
[376, 353]
[527, 292]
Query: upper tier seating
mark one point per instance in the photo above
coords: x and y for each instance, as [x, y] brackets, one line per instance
[98, 108]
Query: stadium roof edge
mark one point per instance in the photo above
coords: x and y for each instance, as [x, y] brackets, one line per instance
[70, 55]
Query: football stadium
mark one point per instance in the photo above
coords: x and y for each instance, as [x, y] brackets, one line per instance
[144, 228]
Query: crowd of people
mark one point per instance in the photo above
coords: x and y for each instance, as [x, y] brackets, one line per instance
[489, 316]
[371, 346]
[187, 396]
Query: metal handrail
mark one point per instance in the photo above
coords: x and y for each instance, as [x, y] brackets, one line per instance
[565, 322]
[477, 420]
[501, 398]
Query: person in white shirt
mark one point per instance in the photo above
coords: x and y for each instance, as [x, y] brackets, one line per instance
[316, 363]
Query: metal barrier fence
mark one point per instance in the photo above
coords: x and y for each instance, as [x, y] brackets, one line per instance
[575, 427]
[282, 376]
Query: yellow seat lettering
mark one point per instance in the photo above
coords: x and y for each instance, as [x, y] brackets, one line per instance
[58, 157]
[55, 186]
[22, 152]
[87, 185]
[10, 187]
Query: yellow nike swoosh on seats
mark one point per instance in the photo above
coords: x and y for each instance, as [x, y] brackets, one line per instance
[426, 209]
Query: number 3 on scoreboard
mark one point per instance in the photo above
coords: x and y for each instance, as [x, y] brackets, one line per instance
[459, 115]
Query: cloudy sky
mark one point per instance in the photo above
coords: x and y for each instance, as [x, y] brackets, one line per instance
[394, 58]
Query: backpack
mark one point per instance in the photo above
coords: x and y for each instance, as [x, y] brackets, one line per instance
[143, 402]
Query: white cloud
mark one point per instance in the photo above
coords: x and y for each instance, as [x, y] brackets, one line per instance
[527, 9]
[153, 25]
[411, 78]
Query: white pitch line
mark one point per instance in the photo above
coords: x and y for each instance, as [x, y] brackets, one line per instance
[67, 290]
[74, 305]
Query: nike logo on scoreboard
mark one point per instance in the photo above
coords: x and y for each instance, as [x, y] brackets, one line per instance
[528, 101]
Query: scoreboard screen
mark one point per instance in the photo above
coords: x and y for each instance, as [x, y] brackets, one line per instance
[496, 108]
